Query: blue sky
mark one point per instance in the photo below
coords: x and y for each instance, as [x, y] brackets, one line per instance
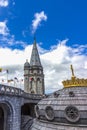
[60, 27]
[65, 19]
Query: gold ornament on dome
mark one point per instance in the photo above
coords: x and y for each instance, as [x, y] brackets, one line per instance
[74, 82]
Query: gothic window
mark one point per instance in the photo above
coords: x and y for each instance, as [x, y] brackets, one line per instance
[32, 85]
[49, 113]
[38, 86]
[38, 79]
[72, 114]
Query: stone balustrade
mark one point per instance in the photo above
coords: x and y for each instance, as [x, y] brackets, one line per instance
[4, 89]
[8, 90]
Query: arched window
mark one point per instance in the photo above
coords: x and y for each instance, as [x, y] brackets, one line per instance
[39, 86]
[32, 89]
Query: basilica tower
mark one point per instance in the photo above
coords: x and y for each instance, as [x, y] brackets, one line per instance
[33, 73]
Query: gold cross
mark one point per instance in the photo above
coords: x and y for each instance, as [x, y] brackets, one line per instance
[72, 70]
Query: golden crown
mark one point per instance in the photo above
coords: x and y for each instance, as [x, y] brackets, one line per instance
[74, 82]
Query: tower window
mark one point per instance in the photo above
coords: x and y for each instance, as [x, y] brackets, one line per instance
[38, 79]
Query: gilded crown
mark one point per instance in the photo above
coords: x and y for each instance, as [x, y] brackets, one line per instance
[74, 82]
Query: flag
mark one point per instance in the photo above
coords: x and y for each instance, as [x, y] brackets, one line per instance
[22, 80]
[16, 78]
[0, 69]
[10, 80]
[7, 71]
[4, 70]
[2, 80]
[30, 78]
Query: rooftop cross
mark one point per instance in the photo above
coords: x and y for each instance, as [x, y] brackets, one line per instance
[72, 70]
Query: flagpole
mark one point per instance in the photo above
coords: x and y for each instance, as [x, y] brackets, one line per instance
[14, 83]
[7, 76]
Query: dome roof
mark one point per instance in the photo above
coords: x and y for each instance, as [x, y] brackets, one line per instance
[62, 109]
[65, 109]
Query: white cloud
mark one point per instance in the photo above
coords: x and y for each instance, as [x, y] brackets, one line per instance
[14, 57]
[3, 28]
[7, 39]
[4, 3]
[56, 63]
[86, 65]
[37, 20]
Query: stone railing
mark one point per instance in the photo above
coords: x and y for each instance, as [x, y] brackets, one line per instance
[4, 89]
[8, 90]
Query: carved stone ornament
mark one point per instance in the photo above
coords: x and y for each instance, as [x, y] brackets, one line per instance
[72, 114]
[49, 113]
[37, 111]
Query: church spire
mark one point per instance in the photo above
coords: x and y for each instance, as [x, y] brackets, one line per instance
[35, 59]
[34, 76]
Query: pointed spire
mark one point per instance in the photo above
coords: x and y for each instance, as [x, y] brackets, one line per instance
[35, 59]
[34, 39]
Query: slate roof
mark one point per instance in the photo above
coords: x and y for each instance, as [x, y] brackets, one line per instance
[35, 59]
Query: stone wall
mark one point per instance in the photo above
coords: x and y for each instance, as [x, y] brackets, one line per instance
[11, 101]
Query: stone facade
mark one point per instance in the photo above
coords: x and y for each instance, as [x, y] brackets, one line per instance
[15, 104]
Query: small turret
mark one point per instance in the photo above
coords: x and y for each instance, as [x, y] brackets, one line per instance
[26, 65]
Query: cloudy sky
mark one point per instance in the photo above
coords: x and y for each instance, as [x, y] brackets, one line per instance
[60, 28]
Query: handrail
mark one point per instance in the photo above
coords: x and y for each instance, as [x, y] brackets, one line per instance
[9, 90]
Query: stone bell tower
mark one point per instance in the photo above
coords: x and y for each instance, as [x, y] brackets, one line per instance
[33, 73]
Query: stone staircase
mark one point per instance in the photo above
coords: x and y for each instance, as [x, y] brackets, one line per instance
[26, 122]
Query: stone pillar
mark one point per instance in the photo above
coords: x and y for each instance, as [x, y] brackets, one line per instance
[16, 118]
